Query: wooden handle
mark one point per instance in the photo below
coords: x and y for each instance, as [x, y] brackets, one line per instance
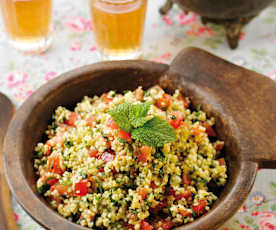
[6, 211]
[242, 100]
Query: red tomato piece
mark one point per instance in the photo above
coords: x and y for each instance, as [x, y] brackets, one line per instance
[90, 121]
[175, 119]
[93, 152]
[145, 225]
[219, 146]
[81, 188]
[52, 181]
[209, 130]
[111, 124]
[129, 226]
[144, 154]
[101, 169]
[108, 156]
[166, 225]
[196, 131]
[200, 208]
[48, 150]
[54, 164]
[153, 185]
[187, 194]
[61, 189]
[106, 98]
[186, 179]
[163, 102]
[143, 192]
[221, 161]
[184, 213]
[125, 135]
[158, 207]
[72, 119]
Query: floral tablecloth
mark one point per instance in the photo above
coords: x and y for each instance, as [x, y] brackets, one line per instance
[21, 75]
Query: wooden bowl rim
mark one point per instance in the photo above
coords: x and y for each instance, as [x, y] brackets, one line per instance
[13, 169]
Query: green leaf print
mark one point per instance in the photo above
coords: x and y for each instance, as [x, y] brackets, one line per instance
[273, 208]
[248, 220]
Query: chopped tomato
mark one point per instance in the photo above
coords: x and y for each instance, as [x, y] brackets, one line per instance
[108, 156]
[184, 213]
[145, 225]
[163, 102]
[153, 185]
[93, 152]
[186, 179]
[111, 124]
[58, 139]
[54, 164]
[61, 189]
[209, 130]
[158, 207]
[186, 102]
[81, 188]
[219, 146]
[129, 226]
[48, 149]
[200, 208]
[196, 131]
[90, 121]
[221, 161]
[139, 94]
[125, 135]
[186, 194]
[101, 169]
[166, 225]
[52, 181]
[144, 153]
[175, 119]
[106, 98]
[143, 192]
[72, 119]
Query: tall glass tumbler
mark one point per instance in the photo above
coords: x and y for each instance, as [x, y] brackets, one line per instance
[28, 24]
[118, 27]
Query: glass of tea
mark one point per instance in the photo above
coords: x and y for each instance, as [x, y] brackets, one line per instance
[118, 27]
[28, 24]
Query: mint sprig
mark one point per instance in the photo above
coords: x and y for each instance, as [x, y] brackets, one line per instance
[133, 118]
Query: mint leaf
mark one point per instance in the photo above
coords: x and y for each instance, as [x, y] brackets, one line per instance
[120, 115]
[138, 113]
[155, 132]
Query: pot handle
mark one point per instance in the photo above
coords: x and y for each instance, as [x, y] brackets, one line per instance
[245, 99]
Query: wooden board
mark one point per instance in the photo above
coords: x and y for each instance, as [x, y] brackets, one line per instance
[7, 220]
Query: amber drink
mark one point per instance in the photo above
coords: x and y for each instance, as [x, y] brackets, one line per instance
[118, 27]
[28, 23]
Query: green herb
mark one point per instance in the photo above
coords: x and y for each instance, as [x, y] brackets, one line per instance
[132, 118]
[68, 143]
[199, 107]
[126, 91]
[159, 155]
[100, 188]
[161, 172]
[155, 132]
[54, 126]
[44, 188]
[173, 117]
[83, 175]
[44, 161]
[121, 140]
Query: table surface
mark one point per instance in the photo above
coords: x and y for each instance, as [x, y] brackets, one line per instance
[74, 46]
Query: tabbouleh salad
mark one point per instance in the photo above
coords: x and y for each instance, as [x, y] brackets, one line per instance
[137, 160]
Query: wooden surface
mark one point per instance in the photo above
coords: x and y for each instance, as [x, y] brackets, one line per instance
[7, 220]
[230, 93]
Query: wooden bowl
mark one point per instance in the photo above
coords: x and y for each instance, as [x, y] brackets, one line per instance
[242, 102]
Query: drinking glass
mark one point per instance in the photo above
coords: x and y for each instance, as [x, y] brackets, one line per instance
[118, 27]
[28, 24]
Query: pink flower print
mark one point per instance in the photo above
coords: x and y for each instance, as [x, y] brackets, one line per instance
[16, 217]
[166, 56]
[244, 227]
[159, 60]
[186, 19]
[243, 209]
[267, 221]
[272, 74]
[92, 48]
[239, 61]
[78, 24]
[76, 46]
[16, 78]
[23, 92]
[196, 29]
[242, 36]
[167, 20]
[257, 198]
[49, 76]
[254, 213]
